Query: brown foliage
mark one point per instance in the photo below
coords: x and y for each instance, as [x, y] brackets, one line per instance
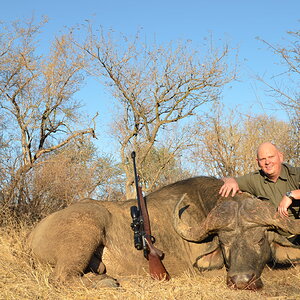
[227, 146]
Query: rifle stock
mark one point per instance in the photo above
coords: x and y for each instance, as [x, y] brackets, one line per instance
[152, 254]
[156, 268]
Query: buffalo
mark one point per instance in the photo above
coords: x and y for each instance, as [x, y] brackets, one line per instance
[194, 226]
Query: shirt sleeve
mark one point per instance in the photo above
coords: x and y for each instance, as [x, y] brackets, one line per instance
[298, 174]
[244, 183]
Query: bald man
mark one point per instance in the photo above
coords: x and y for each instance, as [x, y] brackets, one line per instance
[275, 181]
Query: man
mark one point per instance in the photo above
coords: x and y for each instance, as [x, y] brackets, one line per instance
[275, 181]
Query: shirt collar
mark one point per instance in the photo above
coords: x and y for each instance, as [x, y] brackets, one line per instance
[283, 174]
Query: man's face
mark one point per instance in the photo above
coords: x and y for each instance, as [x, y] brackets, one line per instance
[269, 160]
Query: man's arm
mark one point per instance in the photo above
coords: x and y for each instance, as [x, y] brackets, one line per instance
[286, 202]
[230, 186]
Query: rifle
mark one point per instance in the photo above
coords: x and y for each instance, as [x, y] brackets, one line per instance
[143, 240]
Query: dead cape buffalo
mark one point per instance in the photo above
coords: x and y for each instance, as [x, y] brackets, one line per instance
[194, 226]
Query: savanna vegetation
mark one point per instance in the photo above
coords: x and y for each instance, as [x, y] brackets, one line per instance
[23, 278]
[168, 108]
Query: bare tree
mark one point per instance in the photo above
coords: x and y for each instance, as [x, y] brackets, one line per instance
[227, 144]
[156, 86]
[163, 165]
[36, 99]
[284, 87]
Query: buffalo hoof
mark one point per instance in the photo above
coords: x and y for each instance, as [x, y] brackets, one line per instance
[99, 281]
[244, 282]
[107, 283]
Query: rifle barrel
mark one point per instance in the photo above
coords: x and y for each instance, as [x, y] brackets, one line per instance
[154, 255]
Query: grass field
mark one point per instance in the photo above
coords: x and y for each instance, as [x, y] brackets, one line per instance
[22, 278]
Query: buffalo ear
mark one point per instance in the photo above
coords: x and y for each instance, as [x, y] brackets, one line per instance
[211, 258]
[283, 251]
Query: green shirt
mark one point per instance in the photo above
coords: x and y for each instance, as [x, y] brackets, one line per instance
[259, 185]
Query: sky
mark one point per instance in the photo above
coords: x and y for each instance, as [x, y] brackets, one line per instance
[237, 22]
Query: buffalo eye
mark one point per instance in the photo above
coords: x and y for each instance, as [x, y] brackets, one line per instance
[261, 241]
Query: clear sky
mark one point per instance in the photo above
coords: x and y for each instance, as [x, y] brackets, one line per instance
[236, 21]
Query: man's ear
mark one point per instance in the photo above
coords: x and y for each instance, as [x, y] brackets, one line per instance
[280, 156]
[284, 255]
[283, 251]
[258, 162]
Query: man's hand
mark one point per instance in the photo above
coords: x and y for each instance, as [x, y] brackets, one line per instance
[283, 206]
[230, 186]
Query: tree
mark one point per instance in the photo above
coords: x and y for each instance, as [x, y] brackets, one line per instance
[284, 87]
[226, 146]
[162, 163]
[36, 100]
[71, 173]
[156, 86]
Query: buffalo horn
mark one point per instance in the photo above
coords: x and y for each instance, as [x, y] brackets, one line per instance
[264, 213]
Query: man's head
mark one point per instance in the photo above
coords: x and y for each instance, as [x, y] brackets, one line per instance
[269, 159]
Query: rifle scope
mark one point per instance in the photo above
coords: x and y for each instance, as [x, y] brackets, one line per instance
[136, 227]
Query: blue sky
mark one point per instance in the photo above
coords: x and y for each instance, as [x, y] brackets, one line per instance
[236, 21]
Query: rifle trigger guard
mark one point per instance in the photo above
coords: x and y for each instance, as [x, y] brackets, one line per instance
[152, 239]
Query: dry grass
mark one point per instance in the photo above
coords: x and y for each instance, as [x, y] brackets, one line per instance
[21, 278]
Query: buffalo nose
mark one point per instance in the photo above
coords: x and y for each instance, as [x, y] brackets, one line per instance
[244, 282]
